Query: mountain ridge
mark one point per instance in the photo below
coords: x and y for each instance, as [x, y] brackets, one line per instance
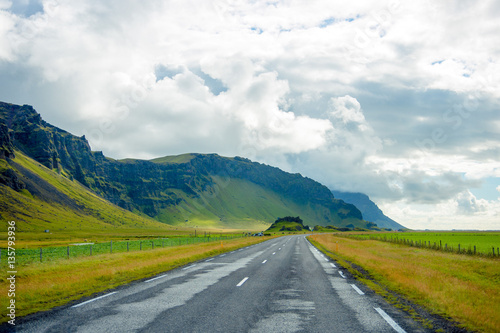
[182, 190]
[371, 212]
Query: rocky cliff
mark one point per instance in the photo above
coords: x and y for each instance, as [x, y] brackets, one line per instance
[166, 187]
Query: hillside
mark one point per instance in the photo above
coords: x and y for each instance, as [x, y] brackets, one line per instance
[40, 199]
[185, 190]
[288, 223]
[371, 212]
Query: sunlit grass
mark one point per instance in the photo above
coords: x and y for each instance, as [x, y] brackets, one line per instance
[465, 288]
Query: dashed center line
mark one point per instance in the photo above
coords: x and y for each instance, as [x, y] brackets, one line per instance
[333, 265]
[209, 259]
[274, 253]
[241, 282]
[264, 261]
[94, 299]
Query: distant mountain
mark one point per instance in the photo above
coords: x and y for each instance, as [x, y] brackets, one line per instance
[370, 210]
[188, 190]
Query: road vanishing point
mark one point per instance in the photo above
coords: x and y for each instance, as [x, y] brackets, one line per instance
[280, 285]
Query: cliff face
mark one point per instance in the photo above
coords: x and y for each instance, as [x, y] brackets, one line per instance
[154, 187]
[6, 148]
[48, 145]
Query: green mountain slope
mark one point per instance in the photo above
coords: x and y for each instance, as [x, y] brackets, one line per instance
[45, 200]
[187, 190]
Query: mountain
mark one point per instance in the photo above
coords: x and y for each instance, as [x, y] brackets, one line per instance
[370, 210]
[187, 190]
[288, 223]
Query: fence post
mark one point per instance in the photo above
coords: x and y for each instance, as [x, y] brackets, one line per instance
[152, 245]
[458, 248]
[127, 246]
[67, 250]
[474, 249]
[90, 249]
[140, 245]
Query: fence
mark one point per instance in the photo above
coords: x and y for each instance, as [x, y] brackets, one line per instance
[437, 245]
[27, 256]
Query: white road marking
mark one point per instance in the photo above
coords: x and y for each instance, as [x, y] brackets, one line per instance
[241, 282]
[333, 265]
[357, 289]
[222, 255]
[264, 261]
[156, 278]
[279, 249]
[188, 267]
[389, 320]
[342, 274]
[209, 259]
[274, 253]
[94, 299]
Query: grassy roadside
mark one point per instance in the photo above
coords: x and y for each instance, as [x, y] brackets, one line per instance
[463, 288]
[41, 287]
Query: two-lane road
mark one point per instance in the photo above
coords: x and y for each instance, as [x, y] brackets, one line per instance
[281, 285]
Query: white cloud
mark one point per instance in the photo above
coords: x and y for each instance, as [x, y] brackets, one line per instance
[395, 99]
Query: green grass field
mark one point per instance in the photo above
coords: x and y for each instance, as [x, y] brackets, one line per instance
[484, 241]
[28, 256]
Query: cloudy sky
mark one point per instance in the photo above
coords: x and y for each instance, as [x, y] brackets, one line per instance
[396, 99]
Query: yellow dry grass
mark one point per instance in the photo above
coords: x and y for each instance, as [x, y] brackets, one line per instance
[465, 288]
[44, 286]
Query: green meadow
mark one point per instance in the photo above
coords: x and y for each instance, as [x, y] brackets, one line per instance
[484, 241]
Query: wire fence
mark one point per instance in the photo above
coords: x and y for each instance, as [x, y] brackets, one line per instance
[437, 245]
[47, 254]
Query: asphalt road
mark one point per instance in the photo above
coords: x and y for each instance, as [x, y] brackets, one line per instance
[281, 285]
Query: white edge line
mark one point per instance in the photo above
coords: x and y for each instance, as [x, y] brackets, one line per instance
[188, 267]
[333, 265]
[155, 278]
[264, 261]
[390, 321]
[222, 255]
[342, 274]
[355, 287]
[209, 259]
[94, 299]
[241, 282]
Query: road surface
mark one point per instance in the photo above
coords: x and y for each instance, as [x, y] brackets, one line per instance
[281, 285]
